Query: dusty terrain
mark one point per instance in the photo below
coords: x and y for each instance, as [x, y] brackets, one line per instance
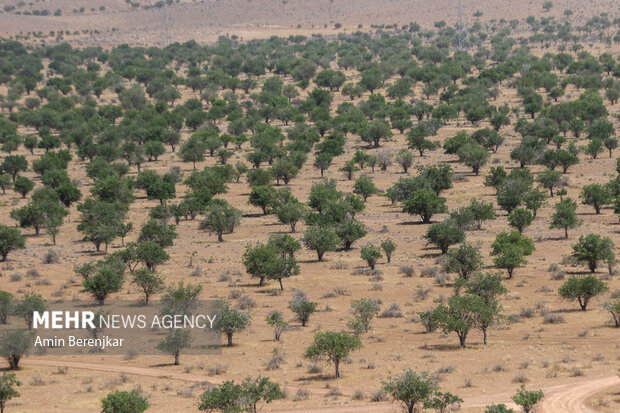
[204, 21]
[581, 354]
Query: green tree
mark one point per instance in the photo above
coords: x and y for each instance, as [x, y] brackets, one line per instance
[148, 281]
[14, 344]
[193, 150]
[302, 307]
[8, 383]
[388, 246]
[527, 399]
[593, 248]
[124, 402]
[444, 234]
[596, 195]
[510, 250]
[334, 346]
[443, 402]
[364, 310]
[23, 186]
[100, 221]
[370, 254]
[411, 389]
[104, 282]
[425, 203]
[265, 261]
[550, 179]
[375, 132]
[275, 320]
[372, 79]
[25, 308]
[350, 230]
[290, 213]
[464, 260]
[364, 186]
[473, 156]
[349, 168]
[14, 164]
[151, 254]
[461, 314]
[11, 239]
[520, 218]
[404, 158]
[583, 289]
[174, 342]
[320, 239]
[565, 216]
[6, 306]
[498, 408]
[231, 321]
[417, 137]
[221, 218]
[5, 182]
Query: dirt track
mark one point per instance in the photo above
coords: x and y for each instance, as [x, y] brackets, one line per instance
[568, 398]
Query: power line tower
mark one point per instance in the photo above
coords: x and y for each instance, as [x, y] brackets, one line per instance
[166, 33]
[461, 38]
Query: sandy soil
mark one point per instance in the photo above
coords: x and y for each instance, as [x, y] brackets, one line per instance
[249, 19]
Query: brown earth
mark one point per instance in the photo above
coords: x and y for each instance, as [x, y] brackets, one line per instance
[542, 355]
[205, 20]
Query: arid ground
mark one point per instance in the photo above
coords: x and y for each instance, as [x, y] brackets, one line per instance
[580, 350]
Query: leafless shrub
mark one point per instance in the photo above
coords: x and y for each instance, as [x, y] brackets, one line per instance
[392, 312]
[520, 378]
[553, 319]
[217, 370]
[407, 270]
[50, 257]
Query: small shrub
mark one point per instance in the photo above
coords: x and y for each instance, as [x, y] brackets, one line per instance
[553, 319]
[407, 270]
[217, 370]
[50, 257]
[379, 396]
[392, 312]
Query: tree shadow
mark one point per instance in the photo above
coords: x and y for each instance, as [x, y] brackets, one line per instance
[318, 377]
[442, 347]
[415, 223]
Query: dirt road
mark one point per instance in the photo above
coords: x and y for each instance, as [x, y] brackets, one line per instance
[568, 398]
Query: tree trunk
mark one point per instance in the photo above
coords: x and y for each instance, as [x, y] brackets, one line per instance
[484, 335]
[337, 365]
[229, 336]
[176, 359]
[219, 237]
[281, 286]
[566, 233]
[320, 255]
[462, 340]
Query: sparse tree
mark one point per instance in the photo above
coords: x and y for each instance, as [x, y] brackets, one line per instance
[583, 289]
[464, 260]
[565, 216]
[302, 307]
[11, 239]
[411, 389]
[275, 320]
[149, 281]
[334, 346]
[321, 239]
[528, 399]
[8, 391]
[593, 248]
[388, 246]
[364, 310]
[370, 254]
